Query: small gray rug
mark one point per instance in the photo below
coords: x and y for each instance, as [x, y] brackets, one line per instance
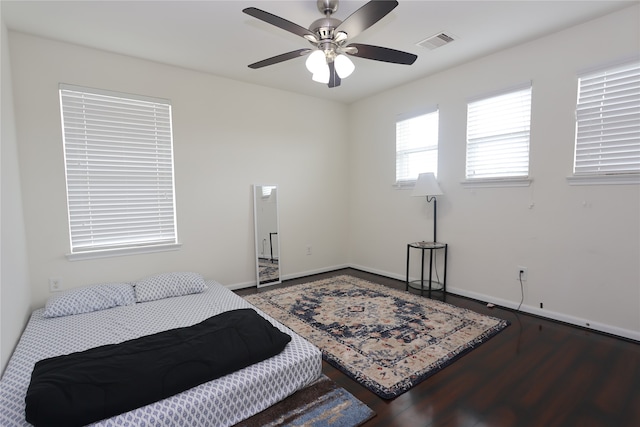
[321, 404]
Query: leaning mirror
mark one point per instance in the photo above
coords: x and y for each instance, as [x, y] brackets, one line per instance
[265, 207]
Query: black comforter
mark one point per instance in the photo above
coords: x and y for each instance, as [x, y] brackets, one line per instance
[101, 382]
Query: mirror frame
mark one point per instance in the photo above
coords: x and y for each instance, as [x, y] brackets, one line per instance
[257, 197]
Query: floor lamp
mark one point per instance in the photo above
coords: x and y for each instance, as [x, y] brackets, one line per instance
[427, 185]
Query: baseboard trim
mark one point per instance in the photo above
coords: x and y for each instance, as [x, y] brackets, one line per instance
[242, 285]
[251, 284]
[550, 314]
[378, 272]
[312, 272]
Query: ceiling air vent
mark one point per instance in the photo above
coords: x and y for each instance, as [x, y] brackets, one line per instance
[436, 41]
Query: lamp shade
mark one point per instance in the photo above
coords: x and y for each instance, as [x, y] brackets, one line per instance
[426, 185]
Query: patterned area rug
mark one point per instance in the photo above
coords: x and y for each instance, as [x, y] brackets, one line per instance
[323, 403]
[387, 340]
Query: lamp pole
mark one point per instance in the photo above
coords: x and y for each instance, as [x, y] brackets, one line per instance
[435, 209]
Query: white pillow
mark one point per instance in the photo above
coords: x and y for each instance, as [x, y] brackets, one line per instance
[168, 285]
[89, 298]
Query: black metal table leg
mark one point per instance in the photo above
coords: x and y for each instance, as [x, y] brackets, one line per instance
[430, 269]
[422, 275]
[444, 277]
[407, 281]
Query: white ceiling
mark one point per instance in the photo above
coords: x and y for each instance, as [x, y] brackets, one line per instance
[216, 37]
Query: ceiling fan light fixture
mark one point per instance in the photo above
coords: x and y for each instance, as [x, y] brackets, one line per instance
[330, 39]
[340, 37]
[344, 66]
[322, 76]
[316, 62]
[311, 38]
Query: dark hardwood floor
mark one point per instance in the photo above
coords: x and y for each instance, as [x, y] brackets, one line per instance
[536, 372]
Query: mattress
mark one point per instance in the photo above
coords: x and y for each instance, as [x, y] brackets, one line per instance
[222, 402]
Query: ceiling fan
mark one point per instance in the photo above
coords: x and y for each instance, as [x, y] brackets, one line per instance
[328, 61]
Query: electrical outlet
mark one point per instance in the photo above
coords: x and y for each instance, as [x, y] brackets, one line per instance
[308, 249]
[522, 273]
[55, 284]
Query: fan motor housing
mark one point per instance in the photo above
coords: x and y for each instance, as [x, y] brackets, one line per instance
[324, 27]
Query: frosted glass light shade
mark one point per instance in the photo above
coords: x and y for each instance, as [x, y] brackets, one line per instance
[322, 75]
[344, 66]
[316, 62]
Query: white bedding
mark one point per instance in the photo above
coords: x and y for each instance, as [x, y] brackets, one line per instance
[222, 402]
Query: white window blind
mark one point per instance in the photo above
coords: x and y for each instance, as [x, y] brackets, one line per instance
[498, 130]
[416, 146]
[608, 121]
[119, 170]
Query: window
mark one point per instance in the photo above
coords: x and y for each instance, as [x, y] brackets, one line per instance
[608, 121]
[498, 135]
[119, 170]
[416, 146]
[267, 190]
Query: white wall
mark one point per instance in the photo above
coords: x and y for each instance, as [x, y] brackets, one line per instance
[15, 292]
[581, 244]
[227, 136]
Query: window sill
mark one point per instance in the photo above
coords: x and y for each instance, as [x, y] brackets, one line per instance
[123, 252]
[616, 179]
[496, 182]
[405, 185]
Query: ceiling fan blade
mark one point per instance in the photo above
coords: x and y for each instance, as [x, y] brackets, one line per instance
[334, 78]
[281, 23]
[280, 58]
[365, 17]
[378, 53]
